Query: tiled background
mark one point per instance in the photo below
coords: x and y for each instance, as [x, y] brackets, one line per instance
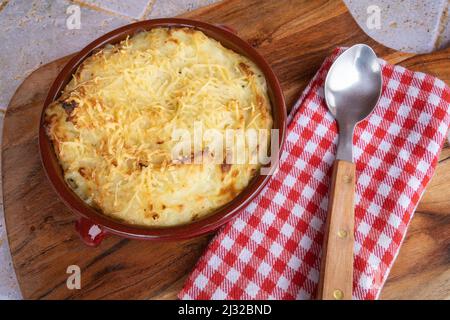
[406, 25]
[35, 32]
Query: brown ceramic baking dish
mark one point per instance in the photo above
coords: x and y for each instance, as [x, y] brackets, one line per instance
[93, 225]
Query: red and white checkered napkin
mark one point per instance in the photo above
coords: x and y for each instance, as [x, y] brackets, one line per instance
[272, 250]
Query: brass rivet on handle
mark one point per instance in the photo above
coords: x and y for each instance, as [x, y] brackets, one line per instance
[342, 234]
[347, 179]
[338, 294]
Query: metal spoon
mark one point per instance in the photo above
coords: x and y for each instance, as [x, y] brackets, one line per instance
[352, 89]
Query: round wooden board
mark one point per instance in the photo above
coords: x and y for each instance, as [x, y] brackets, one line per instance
[40, 228]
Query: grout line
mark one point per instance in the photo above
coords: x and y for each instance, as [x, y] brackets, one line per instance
[443, 20]
[147, 10]
[3, 4]
[100, 9]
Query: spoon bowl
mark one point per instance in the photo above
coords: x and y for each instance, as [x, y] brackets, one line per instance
[353, 84]
[352, 89]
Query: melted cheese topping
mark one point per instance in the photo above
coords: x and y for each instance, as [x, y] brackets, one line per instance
[112, 126]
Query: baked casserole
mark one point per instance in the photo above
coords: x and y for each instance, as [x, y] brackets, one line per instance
[113, 126]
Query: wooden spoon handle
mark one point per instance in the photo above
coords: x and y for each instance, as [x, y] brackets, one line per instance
[336, 274]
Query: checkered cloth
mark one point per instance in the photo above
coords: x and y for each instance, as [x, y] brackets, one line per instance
[272, 249]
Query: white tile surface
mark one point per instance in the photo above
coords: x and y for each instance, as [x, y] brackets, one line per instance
[170, 8]
[131, 8]
[411, 26]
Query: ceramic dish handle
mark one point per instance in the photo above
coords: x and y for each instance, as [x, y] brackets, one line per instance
[91, 233]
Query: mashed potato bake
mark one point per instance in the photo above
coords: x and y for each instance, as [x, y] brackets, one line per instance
[112, 128]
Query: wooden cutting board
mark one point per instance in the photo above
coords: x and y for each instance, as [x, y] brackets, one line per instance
[295, 37]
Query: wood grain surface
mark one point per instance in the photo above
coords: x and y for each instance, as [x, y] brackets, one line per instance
[336, 271]
[295, 37]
